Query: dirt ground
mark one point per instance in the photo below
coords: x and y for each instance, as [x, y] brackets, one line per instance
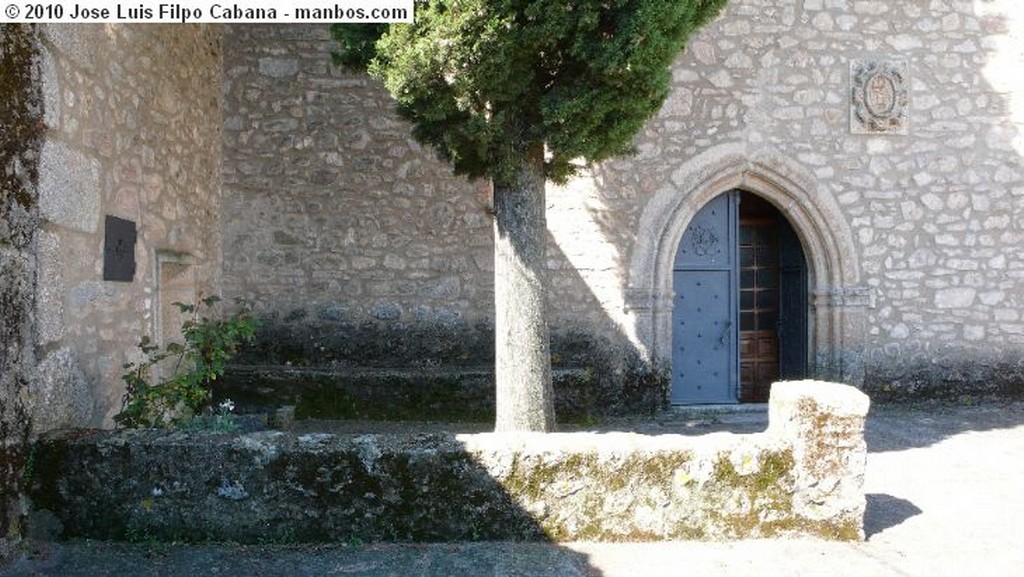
[943, 489]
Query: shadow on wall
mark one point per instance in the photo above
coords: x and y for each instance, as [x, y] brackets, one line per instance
[592, 329]
[332, 367]
[364, 251]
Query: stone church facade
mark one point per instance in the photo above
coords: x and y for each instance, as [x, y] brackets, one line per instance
[881, 142]
[885, 138]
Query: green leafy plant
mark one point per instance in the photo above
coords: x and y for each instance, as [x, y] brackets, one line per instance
[219, 419]
[172, 385]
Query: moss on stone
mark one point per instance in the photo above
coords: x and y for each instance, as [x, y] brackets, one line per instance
[762, 490]
[390, 397]
[774, 466]
[664, 465]
[766, 492]
[842, 531]
[760, 499]
[20, 141]
[21, 116]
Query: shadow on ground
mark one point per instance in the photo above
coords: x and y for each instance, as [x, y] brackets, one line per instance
[690, 421]
[898, 427]
[885, 511]
[79, 558]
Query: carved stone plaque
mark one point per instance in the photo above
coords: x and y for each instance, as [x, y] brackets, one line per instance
[879, 97]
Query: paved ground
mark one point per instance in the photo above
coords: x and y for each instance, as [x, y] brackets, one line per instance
[944, 499]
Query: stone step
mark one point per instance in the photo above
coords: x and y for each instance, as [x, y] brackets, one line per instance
[427, 393]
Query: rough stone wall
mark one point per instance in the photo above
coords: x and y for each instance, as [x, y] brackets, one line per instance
[333, 215]
[132, 117]
[21, 118]
[935, 215]
[337, 214]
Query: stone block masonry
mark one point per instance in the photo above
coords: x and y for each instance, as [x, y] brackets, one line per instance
[803, 476]
[931, 218]
[332, 212]
[132, 131]
[358, 246]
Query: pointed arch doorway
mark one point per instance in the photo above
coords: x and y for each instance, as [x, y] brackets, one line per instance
[740, 316]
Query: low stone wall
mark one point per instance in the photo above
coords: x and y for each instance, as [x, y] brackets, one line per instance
[803, 475]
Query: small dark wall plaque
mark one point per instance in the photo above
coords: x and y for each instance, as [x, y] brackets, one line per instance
[119, 250]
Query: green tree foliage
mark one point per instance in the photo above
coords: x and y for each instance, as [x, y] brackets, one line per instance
[485, 81]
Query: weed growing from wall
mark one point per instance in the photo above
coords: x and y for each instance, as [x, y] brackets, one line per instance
[172, 385]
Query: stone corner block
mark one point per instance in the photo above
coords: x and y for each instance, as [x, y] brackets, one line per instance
[824, 424]
[69, 187]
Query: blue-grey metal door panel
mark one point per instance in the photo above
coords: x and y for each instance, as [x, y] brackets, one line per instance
[705, 357]
[709, 241]
[705, 351]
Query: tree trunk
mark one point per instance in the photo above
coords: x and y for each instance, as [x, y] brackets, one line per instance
[524, 397]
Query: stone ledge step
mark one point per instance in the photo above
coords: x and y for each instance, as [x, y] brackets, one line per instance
[427, 393]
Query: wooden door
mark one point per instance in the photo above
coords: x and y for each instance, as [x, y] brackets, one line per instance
[793, 305]
[759, 309]
[773, 300]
